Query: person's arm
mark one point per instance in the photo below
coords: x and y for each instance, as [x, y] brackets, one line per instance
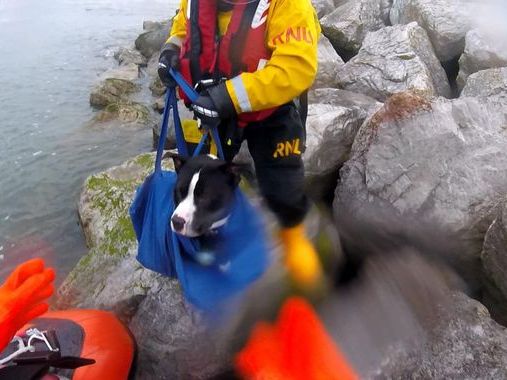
[179, 28]
[170, 53]
[292, 34]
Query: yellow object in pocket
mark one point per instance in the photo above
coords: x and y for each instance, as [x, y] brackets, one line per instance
[193, 135]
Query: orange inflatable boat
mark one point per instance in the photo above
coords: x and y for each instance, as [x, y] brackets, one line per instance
[73, 344]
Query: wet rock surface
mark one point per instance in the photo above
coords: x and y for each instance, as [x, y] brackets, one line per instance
[112, 90]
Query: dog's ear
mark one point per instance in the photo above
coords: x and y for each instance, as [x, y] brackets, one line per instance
[233, 170]
[178, 160]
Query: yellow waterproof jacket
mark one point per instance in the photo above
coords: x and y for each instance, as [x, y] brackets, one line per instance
[293, 63]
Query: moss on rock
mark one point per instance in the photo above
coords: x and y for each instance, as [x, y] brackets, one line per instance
[126, 111]
[145, 160]
[112, 90]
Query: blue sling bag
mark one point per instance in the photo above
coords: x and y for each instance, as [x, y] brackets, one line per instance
[240, 247]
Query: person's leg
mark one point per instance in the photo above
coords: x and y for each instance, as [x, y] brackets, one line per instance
[230, 146]
[276, 146]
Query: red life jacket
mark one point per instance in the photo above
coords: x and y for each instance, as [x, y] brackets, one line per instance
[204, 55]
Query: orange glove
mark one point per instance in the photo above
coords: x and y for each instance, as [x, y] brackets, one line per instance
[297, 347]
[23, 296]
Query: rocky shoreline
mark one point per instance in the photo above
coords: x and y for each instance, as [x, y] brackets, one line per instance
[409, 109]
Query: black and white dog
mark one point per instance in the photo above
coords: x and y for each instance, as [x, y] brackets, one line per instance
[203, 195]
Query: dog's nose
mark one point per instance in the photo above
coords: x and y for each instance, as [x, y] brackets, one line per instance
[178, 223]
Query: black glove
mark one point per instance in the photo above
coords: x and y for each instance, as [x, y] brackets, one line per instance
[169, 58]
[214, 102]
[205, 110]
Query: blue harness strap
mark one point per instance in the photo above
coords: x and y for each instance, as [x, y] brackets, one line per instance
[180, 139]
[184, 85]
[171, 102]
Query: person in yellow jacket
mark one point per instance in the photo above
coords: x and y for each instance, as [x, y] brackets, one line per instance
[252, 61]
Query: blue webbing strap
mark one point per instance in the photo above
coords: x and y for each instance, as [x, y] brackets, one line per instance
[163, 129]
[184, 85]
[178, 130]
[170, 102]
[199, 146]
[180, 139]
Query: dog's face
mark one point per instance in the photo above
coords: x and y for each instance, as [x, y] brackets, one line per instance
[203, 195]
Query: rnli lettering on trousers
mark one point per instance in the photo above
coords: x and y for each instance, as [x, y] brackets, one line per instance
[287, 148]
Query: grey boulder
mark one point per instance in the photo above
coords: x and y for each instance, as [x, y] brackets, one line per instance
[494, 261]
[443, 161]
[465, 343]
[129, 71]
[157, 87]
[173, 339]
[111, 90]
[490, 83]
[149, 25]
[395, 59]
[150, 42]
[334, 117]
[445, 21]
[103, 212]
[329, 64]
[482, 51]
[152, 68]
[126, 56]
[323, 7]
[113, 95]
[347, 26]
[129, 112]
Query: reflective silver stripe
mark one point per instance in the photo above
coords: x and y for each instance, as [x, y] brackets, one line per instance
[262, 63]
[241, 94]
[175, 40]
[204, 111]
